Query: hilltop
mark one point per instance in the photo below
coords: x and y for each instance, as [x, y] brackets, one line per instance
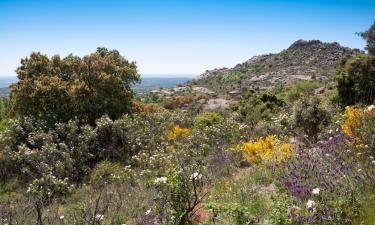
[302, 61]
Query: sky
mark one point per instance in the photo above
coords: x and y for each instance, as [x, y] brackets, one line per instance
[175, 37]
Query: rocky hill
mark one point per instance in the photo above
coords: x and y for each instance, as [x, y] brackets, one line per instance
[303, 60]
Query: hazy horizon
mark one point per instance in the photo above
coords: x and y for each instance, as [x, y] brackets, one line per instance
[142, 75]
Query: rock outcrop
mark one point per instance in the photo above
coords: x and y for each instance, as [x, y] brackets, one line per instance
[303, 60]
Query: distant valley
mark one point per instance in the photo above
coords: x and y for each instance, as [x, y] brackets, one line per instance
[148, 84]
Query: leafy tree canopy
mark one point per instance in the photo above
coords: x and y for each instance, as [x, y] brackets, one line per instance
[57, 90]
[369, 36]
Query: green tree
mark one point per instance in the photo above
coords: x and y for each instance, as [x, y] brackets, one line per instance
[356, 81]
[56, 90]
[356, 76]
[369, 37]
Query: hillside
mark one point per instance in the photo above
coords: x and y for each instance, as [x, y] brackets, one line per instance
[303, 60]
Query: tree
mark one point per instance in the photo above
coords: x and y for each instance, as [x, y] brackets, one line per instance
[369, 36]
[356, 76]
[57, 90]
[356, 81]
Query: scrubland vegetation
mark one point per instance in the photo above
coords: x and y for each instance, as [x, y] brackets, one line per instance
[78, 148]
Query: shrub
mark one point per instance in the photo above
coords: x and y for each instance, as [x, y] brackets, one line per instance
[359, 126]
[57, 90]
[297, 90]
[310, 117]
[177, 102]
[268, 149]
[207, 119]
[254, 107]
[325, 181]
[5, 108]
[151, 108]
[352, 121]
[356, 80]
[177, 132]
[240, 200]
[120, 139]
[36, 151]
[107, 172]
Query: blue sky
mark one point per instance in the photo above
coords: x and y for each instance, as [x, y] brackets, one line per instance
[179, 36]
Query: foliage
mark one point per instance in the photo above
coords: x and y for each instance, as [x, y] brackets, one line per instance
[325, 182]
[177, 102]
[109, 172]
[34, 151]
[297, 90]
[177, 131]
[310, 117]
[352, 121]
[5, 108]
[281, 208]
[269, 149]
[359, 127]
[207, 119]
[356, 80]
[57, 90]
[256, 106]
[243, 200]
[369, 37]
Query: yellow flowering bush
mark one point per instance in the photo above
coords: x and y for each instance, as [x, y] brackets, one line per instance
[266, 149]
[177, 131]
[353, 118]
[359, 126]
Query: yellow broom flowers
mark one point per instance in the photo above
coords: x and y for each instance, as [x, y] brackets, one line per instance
[177, 131]
[266, 149]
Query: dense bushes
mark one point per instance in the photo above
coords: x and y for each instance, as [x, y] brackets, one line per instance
[310, 117]
[356, 80]
[256, 106]
[57, 90]
[33, 151]
[178, 102]
[269, 149]
[208, 119]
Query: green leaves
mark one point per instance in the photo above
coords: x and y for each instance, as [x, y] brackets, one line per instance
[57, 90]
[356, 80]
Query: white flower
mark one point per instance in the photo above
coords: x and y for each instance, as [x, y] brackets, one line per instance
[148, 212]
[373, 162]
[316, 191]
[310, 204]
[195, 175]
[160, 180]
[99, 217]
[62, 217]
[370, 108]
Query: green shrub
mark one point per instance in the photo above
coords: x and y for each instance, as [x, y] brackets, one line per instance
[208, 119]
[356, 80]
[108, 172]
[256, 106]
[310, 117]
[295, 91]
